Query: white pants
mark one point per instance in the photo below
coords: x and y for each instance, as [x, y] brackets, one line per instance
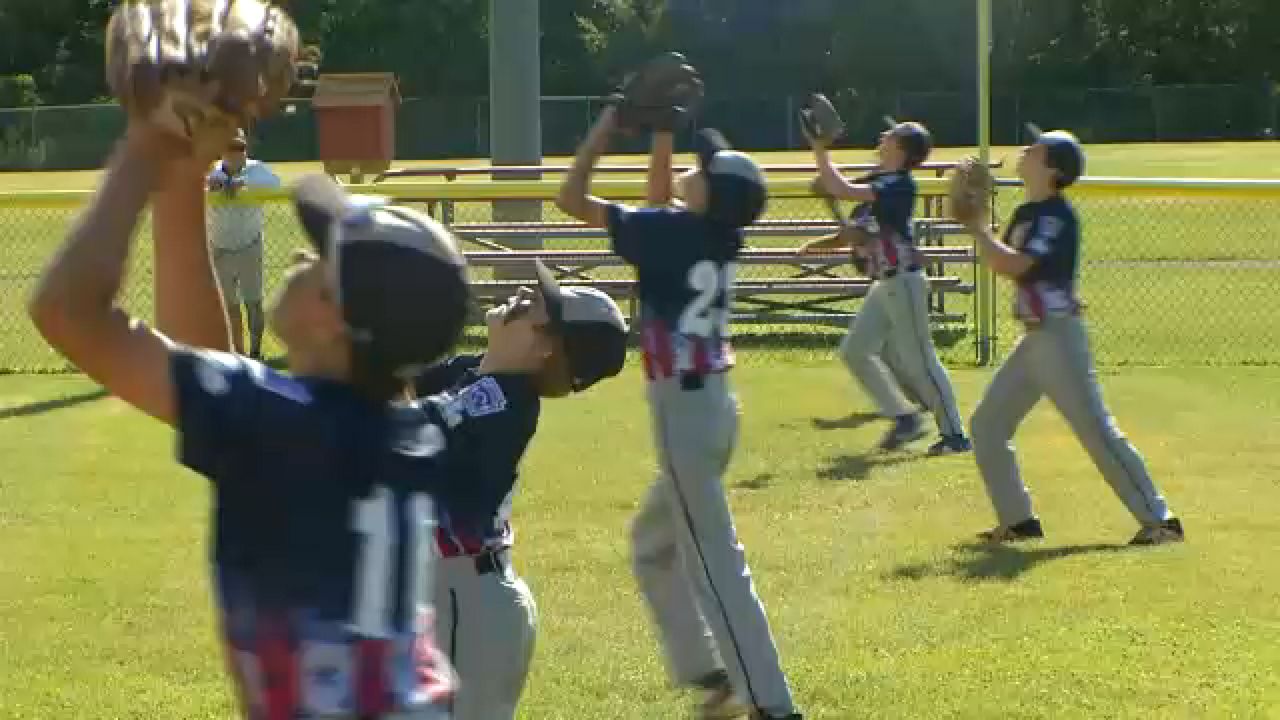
[486, 623]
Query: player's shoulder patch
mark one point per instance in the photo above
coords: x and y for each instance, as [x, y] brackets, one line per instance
[213, 370]
[480, 398]
[1049, 226]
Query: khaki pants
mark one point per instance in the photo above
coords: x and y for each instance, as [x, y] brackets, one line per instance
[240, 273]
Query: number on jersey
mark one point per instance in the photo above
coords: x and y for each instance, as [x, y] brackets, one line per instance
[709, 280]
[378, 576]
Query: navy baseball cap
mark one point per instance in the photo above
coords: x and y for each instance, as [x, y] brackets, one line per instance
[590, 325]
[914, 138]
[736, 186]
[1063, 151]
[398, 274]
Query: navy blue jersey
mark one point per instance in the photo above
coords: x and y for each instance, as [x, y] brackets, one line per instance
[1049, 232]
[323, 522]
[489, 421]
[888, 220]
[685, 267]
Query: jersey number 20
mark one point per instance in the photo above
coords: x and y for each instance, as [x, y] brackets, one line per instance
[709, 280]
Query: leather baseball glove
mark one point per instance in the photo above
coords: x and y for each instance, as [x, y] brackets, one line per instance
[820, 121]
[969, 191]
[660, 96]
[200, 69]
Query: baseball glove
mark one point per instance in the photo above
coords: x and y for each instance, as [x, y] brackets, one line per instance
[200, 69]
[820, 121]
[660, 96]
[970, 190]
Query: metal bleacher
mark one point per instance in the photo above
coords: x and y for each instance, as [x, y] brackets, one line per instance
[775, 284]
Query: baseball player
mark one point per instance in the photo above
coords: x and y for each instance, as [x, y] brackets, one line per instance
[322, 489]
[895, 311]
[542, 344]
[237, 239]
[687, 557]
[1039, 253]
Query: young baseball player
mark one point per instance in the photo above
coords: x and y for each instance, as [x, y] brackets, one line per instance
[322, 489]
[687, 557]
[895, 312]
[542, 344]
[1039, 253]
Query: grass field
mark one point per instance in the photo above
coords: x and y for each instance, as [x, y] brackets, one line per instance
[1147, 261]
[881, 606]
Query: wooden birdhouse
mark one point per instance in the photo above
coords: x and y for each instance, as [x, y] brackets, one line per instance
[356, 122]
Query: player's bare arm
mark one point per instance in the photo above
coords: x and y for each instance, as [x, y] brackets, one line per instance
[834, 183]
[189, 306]
[659, 183]
[575, 198]
[75, 303]
[998, 256]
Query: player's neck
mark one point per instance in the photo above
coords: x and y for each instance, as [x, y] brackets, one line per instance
[499, 363]
[1037, 191]
[325, 366]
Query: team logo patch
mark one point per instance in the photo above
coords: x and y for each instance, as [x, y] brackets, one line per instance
[211, 372]
[483, 397]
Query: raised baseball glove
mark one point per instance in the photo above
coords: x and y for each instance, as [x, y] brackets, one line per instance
[659, 96]
[200, 69]
[820, 121]
[969, 192]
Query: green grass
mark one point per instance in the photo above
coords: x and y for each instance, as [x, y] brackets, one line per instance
[880, 606]
[1144, 314]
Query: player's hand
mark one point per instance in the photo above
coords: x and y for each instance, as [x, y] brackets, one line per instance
[197, 70]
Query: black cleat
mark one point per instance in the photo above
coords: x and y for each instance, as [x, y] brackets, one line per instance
[1028, 529]
[950, 445]
[1169, 531]
[906, 428]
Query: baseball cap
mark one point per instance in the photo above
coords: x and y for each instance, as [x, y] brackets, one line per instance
[239, 140]
[591, 326]
[736, 187]
[914, 138]
[398, 275]
[1063, 150]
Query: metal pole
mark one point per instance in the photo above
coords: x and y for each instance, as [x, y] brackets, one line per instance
[515, 106]
[986, 279]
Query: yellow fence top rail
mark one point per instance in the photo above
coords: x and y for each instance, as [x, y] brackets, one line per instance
[489, 190]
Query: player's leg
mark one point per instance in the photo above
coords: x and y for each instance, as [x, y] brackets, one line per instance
[908, 308]
[861, 350]
[251, 294]
[1010, 396]
[1070, 380]
[487, 624]
[697, 429]
[889, 356]
[225, 267]
[686, 640]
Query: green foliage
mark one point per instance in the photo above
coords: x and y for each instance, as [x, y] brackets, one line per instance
[745, 47]
[18, 91]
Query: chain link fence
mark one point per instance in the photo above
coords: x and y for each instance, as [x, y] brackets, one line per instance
[1181, 277]
[1173, 278]
[80, 137]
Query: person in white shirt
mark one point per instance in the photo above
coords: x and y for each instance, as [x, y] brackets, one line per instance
[237, 239]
